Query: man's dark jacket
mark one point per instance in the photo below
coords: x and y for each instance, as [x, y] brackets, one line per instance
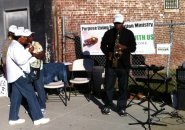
[126, 38]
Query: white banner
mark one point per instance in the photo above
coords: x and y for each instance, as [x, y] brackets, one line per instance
[91, 36]
[163, 49]
[144, 35]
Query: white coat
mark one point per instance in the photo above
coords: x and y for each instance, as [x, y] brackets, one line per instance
[22, 57]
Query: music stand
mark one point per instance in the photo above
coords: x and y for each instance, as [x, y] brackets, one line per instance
[148, 121]
[161, 80]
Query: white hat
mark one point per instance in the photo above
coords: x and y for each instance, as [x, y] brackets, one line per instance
[118, 18]
[23, 32]
[28, 32]
[21, 28]
[12, 28]
[19, 32]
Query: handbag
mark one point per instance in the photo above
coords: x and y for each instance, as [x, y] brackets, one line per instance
[34, 73]
[35, 69]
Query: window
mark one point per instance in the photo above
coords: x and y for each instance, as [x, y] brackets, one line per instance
[171, 4]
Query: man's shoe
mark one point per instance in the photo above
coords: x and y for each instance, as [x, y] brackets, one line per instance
[106, 111]
[41, 121]
[16, 122]
[122, 113]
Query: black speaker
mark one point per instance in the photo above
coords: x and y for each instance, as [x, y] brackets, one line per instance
[180, 98]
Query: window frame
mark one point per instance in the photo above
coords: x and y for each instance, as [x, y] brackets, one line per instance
[174, 7]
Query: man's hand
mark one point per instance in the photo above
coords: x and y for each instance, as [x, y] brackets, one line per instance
[121, 46]
[31, 49]
[40, 55]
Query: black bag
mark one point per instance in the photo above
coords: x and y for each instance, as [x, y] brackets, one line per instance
[34, 73]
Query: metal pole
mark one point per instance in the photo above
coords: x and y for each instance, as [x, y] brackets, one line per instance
[169, 56]
[63, 39]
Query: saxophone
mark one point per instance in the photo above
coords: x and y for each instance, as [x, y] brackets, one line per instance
[117, 52]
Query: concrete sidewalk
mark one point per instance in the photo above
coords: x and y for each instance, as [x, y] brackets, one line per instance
[83, 115]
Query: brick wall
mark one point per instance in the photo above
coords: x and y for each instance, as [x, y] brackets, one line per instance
[79, 12]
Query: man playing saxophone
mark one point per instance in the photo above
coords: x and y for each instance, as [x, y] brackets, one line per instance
[117, 45]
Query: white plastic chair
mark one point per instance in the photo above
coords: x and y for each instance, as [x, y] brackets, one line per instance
[59, 85]
[81, 74]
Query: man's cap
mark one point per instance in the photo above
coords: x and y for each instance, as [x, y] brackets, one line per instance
[118, 18]
[21, 28]
[19, 32]
[28, 32]
[23, 32]
[12, 28]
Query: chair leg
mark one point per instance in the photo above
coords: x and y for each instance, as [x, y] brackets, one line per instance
[62, 97]
[89, 95]
[69, 93]
[75, 91]
[46, 96]
[66, 97]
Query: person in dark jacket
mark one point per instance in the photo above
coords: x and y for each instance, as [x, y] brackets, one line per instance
[117, 45]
